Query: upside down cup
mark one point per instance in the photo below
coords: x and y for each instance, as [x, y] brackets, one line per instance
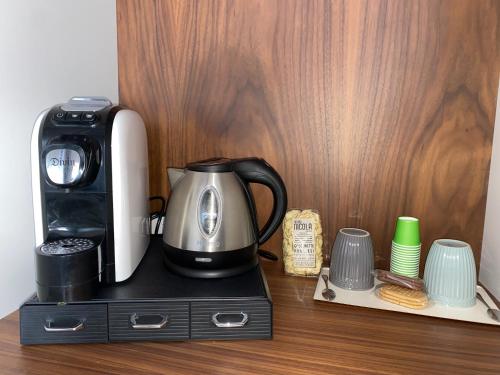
[405, 261]
[352, 260]
[450, 273]
[407, 232]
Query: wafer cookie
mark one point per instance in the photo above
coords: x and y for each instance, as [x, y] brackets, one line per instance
[413, 299]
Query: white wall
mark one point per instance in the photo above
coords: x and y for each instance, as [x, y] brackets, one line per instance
[489, 271]
[49, 51]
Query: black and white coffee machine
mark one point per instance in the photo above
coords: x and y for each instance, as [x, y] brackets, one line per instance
[90, 197]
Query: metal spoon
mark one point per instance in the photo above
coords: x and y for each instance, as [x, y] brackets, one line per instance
[327, 293]
[493, 313]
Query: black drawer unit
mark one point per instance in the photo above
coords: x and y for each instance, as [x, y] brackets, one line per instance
[54, 324]
[148, 321]
[229, 320]
[155, 304]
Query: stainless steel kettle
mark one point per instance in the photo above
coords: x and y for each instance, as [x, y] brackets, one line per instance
[210, 225]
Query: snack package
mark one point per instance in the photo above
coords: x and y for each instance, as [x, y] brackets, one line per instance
[302, 243]
[404, 281]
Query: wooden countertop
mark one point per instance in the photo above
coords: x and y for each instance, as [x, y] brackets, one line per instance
[310, 337]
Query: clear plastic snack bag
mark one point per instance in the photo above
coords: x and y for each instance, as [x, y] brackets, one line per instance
[302, 243]
[404, 281]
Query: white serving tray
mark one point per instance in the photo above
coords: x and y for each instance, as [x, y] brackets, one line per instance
[367, 298]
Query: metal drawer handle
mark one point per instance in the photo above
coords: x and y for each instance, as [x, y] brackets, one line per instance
[78, 327]
[241, 323]
[160, 325]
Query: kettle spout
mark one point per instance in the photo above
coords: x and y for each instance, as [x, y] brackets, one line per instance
[174, 175]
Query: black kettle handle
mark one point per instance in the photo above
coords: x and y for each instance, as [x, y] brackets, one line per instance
[259, 171]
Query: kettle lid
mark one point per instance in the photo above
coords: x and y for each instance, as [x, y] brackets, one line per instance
[214, 165]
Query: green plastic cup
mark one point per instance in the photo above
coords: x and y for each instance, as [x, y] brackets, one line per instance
[409, 254]
[411, 266]
[405, 262]
[406, 248]
[408, 257]
[407, 231]
[405, 252]
[405, 259]
[404, 271]
[407, 274]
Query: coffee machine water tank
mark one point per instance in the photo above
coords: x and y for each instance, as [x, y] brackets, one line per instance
[90, 185]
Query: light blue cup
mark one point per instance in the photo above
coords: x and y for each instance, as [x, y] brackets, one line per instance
[450, 273]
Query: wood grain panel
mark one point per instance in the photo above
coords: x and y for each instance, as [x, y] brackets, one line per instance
[368, 109]
[310, 337]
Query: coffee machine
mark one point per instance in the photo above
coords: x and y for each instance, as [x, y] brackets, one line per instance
[89, 163]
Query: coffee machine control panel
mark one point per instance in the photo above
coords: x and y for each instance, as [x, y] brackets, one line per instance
[64, 117]
[81, 110]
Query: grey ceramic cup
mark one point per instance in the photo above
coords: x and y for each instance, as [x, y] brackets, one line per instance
[352, 260]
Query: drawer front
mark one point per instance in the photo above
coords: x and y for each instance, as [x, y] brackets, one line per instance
[52, 324]
[230, 320]
[148, 321]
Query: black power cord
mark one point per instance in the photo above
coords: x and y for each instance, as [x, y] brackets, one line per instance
[267, 254]
[158, 215]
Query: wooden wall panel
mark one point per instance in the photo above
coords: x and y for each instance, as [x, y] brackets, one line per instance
[368, 109]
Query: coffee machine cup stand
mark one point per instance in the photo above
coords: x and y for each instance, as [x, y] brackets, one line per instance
[95, 280]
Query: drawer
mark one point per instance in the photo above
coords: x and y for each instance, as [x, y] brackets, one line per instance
[148, 321]
[63, 324]
[230, 320]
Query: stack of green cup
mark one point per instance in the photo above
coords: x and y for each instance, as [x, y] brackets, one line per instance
[405, 253]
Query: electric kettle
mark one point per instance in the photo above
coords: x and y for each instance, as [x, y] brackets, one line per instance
[210, 228]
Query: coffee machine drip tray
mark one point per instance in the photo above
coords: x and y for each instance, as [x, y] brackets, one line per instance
[156, 304]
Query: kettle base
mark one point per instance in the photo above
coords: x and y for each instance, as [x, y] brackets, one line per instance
[183, 262]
